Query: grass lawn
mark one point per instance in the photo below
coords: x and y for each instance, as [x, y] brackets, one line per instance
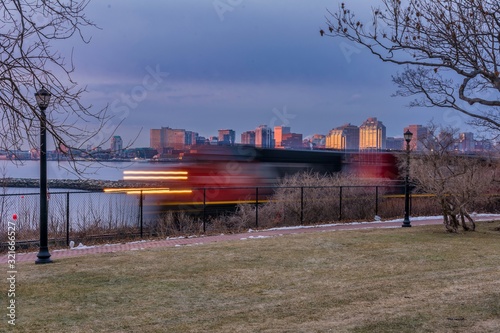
[419, 279]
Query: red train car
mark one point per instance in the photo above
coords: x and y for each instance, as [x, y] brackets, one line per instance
[227, 175]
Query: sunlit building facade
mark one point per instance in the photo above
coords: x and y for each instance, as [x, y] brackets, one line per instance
[345, 137]
[279, 131]
[167, 138]
[372, 134]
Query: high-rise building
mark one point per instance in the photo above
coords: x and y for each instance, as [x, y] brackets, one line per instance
[420, 134]
[392, 143]
[372, 135]
[116, 145]
[291, 141]
[264, 137]
[445, 141]
[466, 141]
[167, 138]
[248, 138]
[226, 137]
[155, 139]
[279, 132]
[345, 137]
[191, 138]
[176, 138]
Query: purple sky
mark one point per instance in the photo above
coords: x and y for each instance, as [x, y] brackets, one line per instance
[205, 65]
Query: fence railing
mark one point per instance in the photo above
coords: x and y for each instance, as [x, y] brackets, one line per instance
[82, 216]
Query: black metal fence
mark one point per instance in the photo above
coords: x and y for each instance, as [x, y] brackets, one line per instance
[82, 216]
[72, 215]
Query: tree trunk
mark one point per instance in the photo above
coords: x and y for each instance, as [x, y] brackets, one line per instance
[450, 221]
[473, 224]
[462, 220]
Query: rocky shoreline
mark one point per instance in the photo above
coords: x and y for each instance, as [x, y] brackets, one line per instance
[74, 184]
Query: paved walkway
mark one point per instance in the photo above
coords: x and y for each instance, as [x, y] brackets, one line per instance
[252, 234]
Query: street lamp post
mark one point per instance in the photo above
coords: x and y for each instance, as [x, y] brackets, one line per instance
[42, 99]
[406, 222]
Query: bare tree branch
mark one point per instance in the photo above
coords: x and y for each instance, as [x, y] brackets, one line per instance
[28, 62]
[453, 44]
[459, 182]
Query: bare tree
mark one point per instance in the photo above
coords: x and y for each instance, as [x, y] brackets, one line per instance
[450, 51]
[29, 30]
[459, 182]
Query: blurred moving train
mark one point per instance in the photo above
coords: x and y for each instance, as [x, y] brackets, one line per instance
[222, 175]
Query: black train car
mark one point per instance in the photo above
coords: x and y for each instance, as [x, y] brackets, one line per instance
[286, 162]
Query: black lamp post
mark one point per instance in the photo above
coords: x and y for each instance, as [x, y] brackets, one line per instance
[43, 99]
[406, 222]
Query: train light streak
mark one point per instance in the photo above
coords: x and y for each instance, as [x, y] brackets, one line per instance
[156, 172]
[146, 190]
[159, 191]
[155, 175]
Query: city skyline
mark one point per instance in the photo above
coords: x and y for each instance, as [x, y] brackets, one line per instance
[216, 132]
[226, 64]
[370, 135]
[285, 130]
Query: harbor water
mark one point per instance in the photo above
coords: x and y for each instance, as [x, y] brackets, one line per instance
[65, 170]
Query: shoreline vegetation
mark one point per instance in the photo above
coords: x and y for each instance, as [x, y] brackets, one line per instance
[76, 184]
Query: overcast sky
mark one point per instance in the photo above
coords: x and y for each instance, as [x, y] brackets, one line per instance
[205, 65]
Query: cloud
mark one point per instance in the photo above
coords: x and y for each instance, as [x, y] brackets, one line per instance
[231, 72]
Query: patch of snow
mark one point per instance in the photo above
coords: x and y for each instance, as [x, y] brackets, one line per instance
[255, 237]
[81, 246]
[137, 242]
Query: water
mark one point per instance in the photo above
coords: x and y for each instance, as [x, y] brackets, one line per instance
[75, 211]
[86, 210]
[64, 170]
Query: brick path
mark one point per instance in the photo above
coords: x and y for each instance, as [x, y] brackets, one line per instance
[147, 244]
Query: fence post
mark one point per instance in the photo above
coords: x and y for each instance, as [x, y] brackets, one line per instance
[204, 210]
[67, 218]
[256, 207]
[411, 203]
[376, 200]
[141, 211]
[302, 205]
[340, 204]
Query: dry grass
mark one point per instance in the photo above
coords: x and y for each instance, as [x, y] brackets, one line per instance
[386, 280]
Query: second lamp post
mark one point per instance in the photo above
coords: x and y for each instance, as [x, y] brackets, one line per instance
[406, 222]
